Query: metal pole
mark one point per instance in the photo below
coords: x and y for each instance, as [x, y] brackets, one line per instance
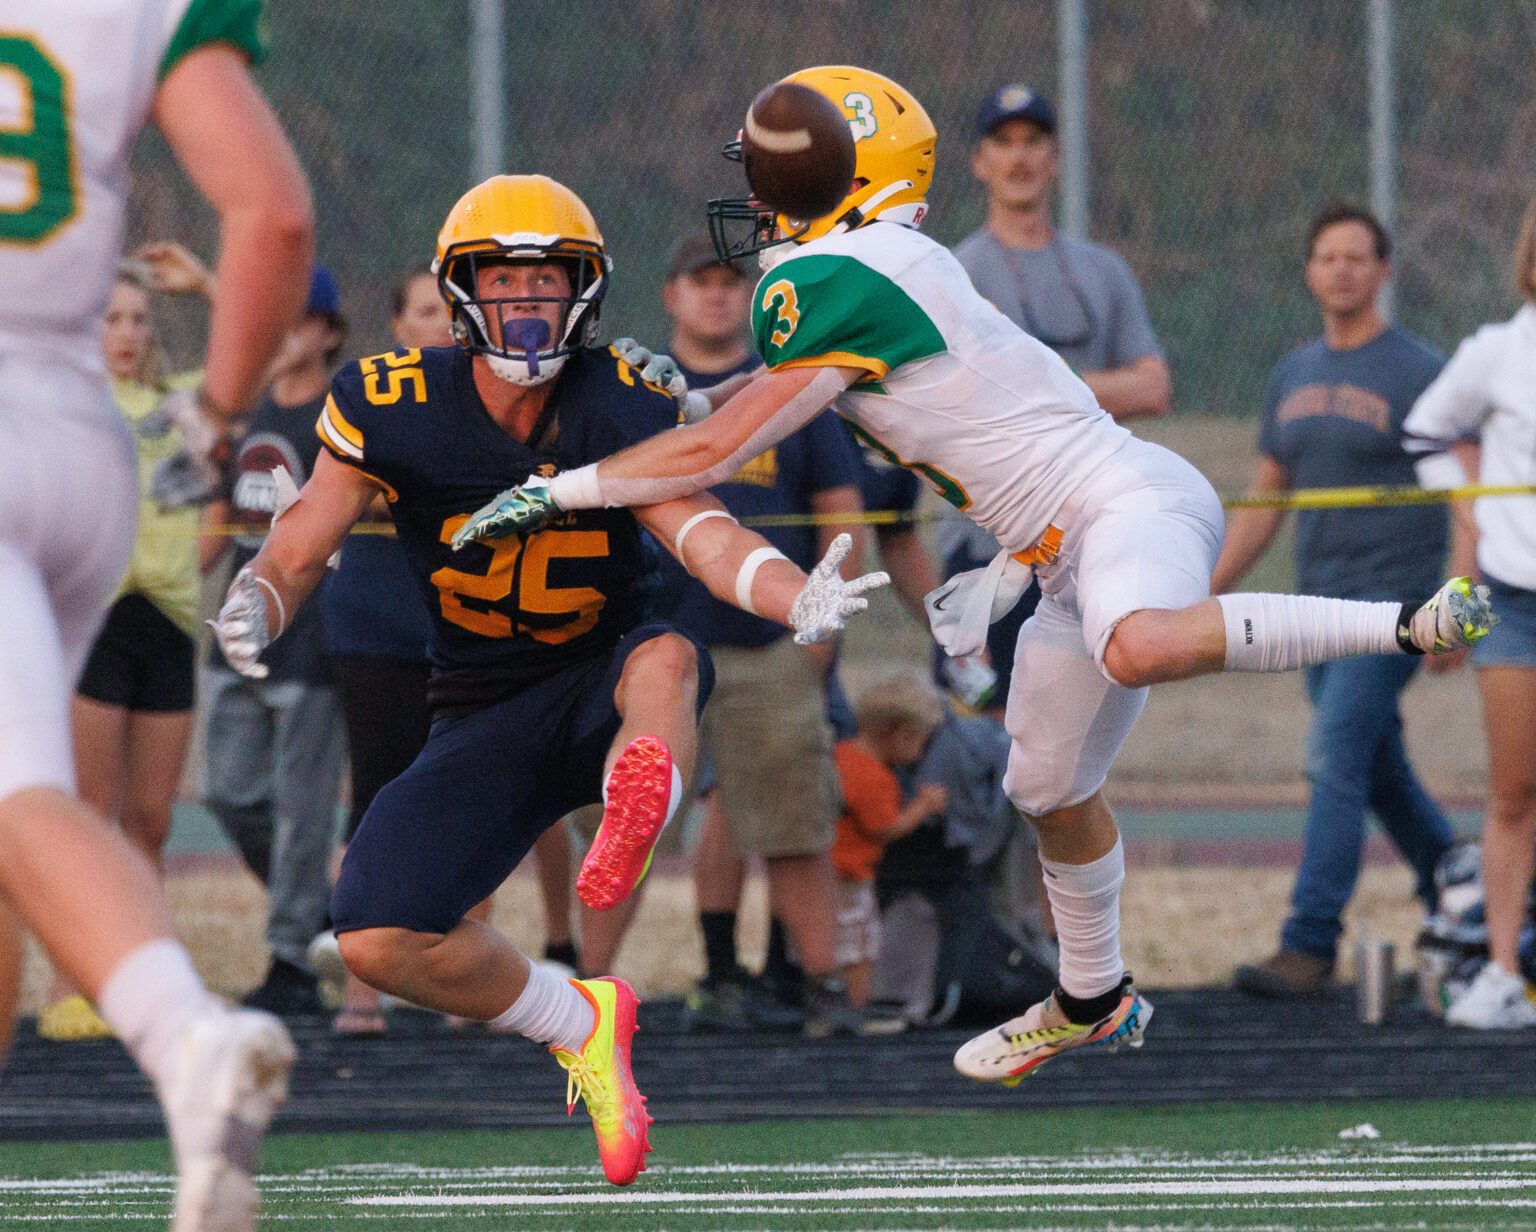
[1383, 127]
[487, 67]
[1072, 60]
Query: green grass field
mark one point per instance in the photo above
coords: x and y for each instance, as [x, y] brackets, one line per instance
[1437, 1165]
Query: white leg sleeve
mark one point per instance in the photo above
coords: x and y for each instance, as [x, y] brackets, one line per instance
[1278, 633]
[1085, 901]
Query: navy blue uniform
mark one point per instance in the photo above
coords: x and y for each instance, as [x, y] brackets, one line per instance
[529, 634]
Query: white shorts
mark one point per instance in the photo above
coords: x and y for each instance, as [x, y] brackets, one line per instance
[68, 511]
[1143, 533]
[858, 923]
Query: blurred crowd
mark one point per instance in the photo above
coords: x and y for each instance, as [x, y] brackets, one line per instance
[893, 860]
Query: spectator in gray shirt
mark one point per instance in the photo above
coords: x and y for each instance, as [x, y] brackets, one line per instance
[1078, 298]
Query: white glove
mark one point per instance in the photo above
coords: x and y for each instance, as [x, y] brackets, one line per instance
[653, 367]
[823, 606]
[241, 626]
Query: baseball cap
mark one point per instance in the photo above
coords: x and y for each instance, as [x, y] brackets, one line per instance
[694, 253]
[1015, 102]
[323, 295]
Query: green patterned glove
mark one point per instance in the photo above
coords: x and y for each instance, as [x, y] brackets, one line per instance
[517, 511]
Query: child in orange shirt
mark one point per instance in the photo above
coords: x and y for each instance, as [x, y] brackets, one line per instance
[896, 717]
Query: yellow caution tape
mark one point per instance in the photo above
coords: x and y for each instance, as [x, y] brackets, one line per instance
[1301, 498]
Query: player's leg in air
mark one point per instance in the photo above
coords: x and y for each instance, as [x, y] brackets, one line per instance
[650, 761]
[1126, 605]
[462, 817]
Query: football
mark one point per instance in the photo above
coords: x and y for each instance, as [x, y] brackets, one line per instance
[797, 148]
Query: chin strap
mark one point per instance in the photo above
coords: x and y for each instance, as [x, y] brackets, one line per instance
[861, 214]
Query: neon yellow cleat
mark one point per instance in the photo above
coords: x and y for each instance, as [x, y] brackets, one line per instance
[601, 1076]
[71, 1018]
[1453, 618]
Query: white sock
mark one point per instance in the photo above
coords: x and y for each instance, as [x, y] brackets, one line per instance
[149, 997]
[549, 1011]
[1278, 633]
[1085, 902]
[674, 797]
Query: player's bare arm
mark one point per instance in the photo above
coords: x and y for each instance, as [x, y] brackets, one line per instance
[264, 595]
[1137, 391]
[742, 568]
[208, 106]
[1250, 531]
[671, 464]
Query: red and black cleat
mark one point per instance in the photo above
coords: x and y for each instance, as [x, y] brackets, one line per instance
[639, 790]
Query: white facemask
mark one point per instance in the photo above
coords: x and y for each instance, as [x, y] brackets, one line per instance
[515, 371]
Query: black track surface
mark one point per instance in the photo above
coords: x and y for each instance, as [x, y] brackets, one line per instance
[1202, 1046]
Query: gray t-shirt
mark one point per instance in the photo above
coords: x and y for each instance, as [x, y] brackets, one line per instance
[1078, 298]
[1335, 419]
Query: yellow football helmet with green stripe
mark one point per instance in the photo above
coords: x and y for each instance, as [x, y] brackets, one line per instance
[521, 218]
[894, 144]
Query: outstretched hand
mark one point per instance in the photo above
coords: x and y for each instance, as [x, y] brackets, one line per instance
[517, 511]
[653, 367]
[823, 606]
[241, 625]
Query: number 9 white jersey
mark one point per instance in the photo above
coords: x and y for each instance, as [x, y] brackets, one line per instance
[77, 79]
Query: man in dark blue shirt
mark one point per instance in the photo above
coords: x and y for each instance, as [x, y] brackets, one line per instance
[1333, 417]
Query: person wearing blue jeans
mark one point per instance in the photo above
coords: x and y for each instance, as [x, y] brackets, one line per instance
[1333, 417]
[1356, 761]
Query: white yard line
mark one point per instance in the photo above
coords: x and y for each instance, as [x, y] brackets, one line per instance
[1269, 1187]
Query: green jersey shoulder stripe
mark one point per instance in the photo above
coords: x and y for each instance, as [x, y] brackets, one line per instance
[236, 22]
[836, 307]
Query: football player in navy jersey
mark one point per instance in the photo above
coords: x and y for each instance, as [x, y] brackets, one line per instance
[548, 690]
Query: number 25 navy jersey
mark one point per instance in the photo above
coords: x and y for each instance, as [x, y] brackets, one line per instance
[510, 613]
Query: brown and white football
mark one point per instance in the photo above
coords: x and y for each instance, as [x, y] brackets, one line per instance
[798, 151]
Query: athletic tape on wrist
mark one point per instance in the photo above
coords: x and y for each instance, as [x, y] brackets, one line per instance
[677, 544]
[282, 612]
[577, 489]
[749, 567]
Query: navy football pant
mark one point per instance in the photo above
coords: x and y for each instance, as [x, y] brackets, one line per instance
[447, 832]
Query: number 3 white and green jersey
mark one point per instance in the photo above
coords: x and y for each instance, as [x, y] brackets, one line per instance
[77, 78]
[953, 390]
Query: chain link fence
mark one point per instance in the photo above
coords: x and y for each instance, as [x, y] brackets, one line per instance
[1218, 128]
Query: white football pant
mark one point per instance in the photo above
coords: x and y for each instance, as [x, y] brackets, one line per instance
[68, 511]
[1142, 533]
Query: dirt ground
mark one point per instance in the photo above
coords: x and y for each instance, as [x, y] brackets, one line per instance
[1182, 926]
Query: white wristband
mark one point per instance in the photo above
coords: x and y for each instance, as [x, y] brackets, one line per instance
[577, 489]
[749, 567]
[677, 544]
[282, 612]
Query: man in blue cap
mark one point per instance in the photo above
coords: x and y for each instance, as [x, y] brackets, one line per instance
[275, 745]
[1078, 298]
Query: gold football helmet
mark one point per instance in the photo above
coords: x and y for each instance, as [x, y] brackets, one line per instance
[893, 149]
[521, 218]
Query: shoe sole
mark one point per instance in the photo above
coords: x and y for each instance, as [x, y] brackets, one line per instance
[625, 1027]
[1129, 1032]
[218, 1193]
[638, 791]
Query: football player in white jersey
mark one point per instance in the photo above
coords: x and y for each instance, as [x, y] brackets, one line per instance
[860, 310]
[78, 80]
